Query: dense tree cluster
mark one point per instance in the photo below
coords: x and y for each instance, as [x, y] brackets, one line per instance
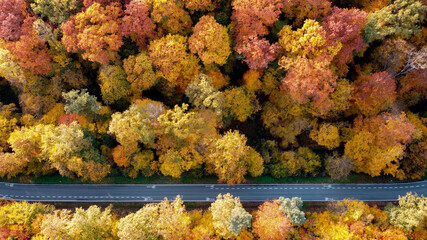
[232, 88]
[226, 218]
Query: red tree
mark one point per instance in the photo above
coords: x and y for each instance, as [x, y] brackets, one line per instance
[253, 17]
[344, 25]
[137, 22]
[373, 93]
[257, 52]
[12, 16]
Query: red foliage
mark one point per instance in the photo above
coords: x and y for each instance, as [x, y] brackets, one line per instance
[14, 232]
[137, 22]
[374, 92]
[309, 79]
[344, 25]
[388, 129]
[12, 16]
[29, 52]
[253, 17]
[257, 52]
[67, 119]
[96, 32]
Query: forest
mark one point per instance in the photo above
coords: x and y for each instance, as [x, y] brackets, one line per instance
[226, 218]
[224, 88]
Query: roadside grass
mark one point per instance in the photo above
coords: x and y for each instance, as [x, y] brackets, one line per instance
[188, 179]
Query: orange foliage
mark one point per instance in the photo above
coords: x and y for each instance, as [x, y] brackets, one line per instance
[270, 222]
[120, 157]
[96, 32]
[302, 9]
[374, 93]
[210, 41]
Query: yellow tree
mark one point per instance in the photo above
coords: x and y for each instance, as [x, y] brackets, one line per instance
[232, 158]
[210, 41]
[226, 212]
[173, 61]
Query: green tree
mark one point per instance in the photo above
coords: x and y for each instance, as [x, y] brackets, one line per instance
[80, 102]
[202, 94]
[57, 11]
[400, 18]
[411, 212]
[113, 83]
[292, 209]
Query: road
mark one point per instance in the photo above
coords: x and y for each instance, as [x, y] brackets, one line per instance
[205, 192]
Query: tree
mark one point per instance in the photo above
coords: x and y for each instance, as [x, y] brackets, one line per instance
[378, 143]
[252, 19]
[96, 32]
[8, 124]
[12, 16]
[203, 95]
[309, 80]
[172, 60]
[413, 87]
[292, 209]
[374, 93]
[326, 135]
[257, 53]
[171, 17]
[415, 60]
[230, 156]
[338, 167]
[415, 161]
[173, 221]
[392, 55]
[139, 225]
[136, 125]
[57, 11]
[31, 53]
[92, 223]
[309, 41]
[113, 83]
[240, 104]
[140, 73]
[223, 218]
[80, 102]
[400, 18]
[411, 212]
[302, 9]
[284, 117]
[70, 150]
[345, 26]
[183, 139]
[19, 217]
[210, 41]
[137, 23]
[270, 222]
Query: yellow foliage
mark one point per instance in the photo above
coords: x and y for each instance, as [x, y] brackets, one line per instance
[252, 80]
[326, 135]
[54, 114]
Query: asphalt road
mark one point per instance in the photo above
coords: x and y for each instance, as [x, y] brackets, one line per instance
[205, 193]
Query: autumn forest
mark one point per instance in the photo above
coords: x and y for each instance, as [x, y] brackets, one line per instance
[214, 88]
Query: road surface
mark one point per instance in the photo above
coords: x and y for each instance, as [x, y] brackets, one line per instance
[205, 192]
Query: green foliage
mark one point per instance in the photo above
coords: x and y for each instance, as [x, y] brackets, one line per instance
[202, 94]
[400, 18]
[80, 102]
[292, 209]
[411, 212]
[57, 11]
[113, 83]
